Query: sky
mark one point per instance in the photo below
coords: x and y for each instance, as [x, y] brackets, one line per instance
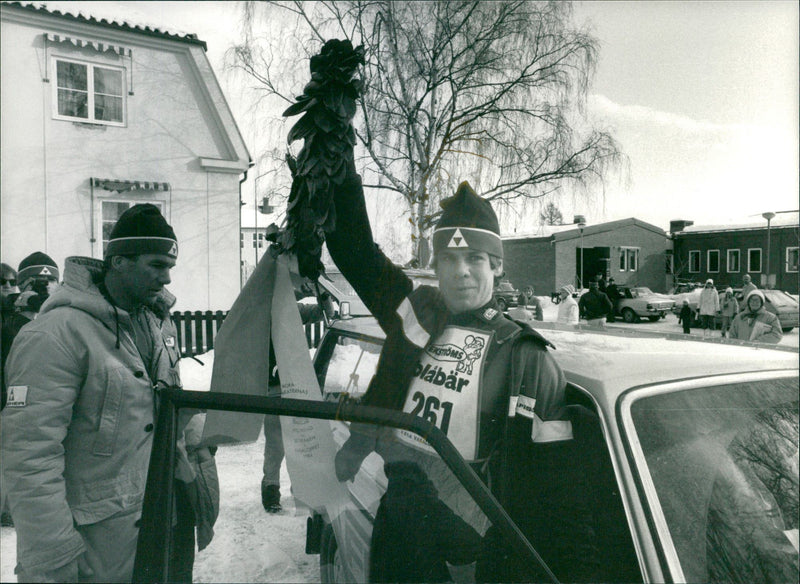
[701, 96]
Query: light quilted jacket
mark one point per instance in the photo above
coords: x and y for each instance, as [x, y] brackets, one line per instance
[76, 440]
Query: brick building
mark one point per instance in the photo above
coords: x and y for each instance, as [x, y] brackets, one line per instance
[725, 253]
[631, 251]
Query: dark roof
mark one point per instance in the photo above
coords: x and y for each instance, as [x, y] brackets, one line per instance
[79, 16]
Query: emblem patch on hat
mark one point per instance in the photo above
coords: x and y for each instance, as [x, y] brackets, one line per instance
[45, 272]
[457, 240]
[173, 250]
[17, 396]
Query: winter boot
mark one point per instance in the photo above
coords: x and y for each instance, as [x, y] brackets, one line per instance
[271, 498]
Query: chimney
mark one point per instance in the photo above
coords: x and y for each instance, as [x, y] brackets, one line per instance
[677, 225]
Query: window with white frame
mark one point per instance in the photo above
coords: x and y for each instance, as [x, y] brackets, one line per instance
[791, 259]
[712, 260]
[754, 259]
[112, 210]
[628, 259]
[694, 261]
[734, 261]
[87, 92]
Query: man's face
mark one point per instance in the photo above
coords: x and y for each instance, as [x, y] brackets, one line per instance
[746, 280]
[144, 278]
[466, 278]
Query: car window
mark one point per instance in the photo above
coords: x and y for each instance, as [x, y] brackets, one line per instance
[347, 367]
[724, 464]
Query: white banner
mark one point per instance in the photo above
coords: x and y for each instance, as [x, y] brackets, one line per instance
[265, 308]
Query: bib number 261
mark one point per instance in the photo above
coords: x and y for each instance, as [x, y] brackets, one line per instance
[429, 409]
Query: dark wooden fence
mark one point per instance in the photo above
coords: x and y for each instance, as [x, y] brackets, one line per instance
[197, 330]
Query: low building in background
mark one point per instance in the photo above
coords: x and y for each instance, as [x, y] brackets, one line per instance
[725, 253]
[633, 252]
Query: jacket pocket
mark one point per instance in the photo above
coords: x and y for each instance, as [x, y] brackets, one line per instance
[109, 417]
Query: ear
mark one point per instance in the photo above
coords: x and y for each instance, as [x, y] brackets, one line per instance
[498, 269]
[119, 263]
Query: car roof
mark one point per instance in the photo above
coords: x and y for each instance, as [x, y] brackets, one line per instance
[607, 363]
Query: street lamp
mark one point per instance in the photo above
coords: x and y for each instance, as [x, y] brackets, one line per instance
[581, 221]
[769, 216]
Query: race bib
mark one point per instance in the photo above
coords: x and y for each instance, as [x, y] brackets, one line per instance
[446, 389]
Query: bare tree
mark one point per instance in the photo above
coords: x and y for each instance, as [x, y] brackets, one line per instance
[551, 215]
[492, 91]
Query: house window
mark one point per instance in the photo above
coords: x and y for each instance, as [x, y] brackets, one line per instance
[89, 93]
[628, 259]
[255, 240]
[260, 240]
[754, 259]
[791, 259]
[694, 261]
[712, 260]
[112, 210]
[733, 260]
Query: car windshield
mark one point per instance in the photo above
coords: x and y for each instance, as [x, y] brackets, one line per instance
[505, 287]
[724, 464]
[641, 291]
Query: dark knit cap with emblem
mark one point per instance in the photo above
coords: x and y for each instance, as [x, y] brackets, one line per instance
[37, 264]
[471, 216]
[142, 229]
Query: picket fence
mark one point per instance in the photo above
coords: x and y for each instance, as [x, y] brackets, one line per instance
[198, 329]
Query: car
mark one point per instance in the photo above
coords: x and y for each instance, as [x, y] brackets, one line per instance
[635, 302]
[697, 441]
[506, 295]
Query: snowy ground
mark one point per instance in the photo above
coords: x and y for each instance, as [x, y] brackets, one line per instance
[249, 544]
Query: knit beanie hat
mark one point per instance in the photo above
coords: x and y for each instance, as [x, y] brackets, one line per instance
[467, 222]
[37, 264]
[142, 229]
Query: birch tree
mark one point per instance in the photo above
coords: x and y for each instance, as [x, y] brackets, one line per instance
[490, 92]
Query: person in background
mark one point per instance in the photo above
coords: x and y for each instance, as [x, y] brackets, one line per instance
[37, 277]
[729, 308]
[685, 317]
[273, 437]
[78, 426]
[595, 306]
[532, 301]
[755, 322]
[8, 281]
[613, 295]
[747, 287]
[708, 307]
[600, 278]
[568, 311]
[9, 291]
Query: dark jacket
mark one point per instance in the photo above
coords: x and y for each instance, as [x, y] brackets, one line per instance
[594, 304]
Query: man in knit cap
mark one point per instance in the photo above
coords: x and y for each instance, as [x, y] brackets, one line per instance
[78, 425]
[508, 425]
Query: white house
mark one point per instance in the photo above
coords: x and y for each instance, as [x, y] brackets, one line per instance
[98, 115]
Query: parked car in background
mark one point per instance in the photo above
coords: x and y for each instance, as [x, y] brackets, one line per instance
[641, 302]
[506, 295]
[707, 495]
